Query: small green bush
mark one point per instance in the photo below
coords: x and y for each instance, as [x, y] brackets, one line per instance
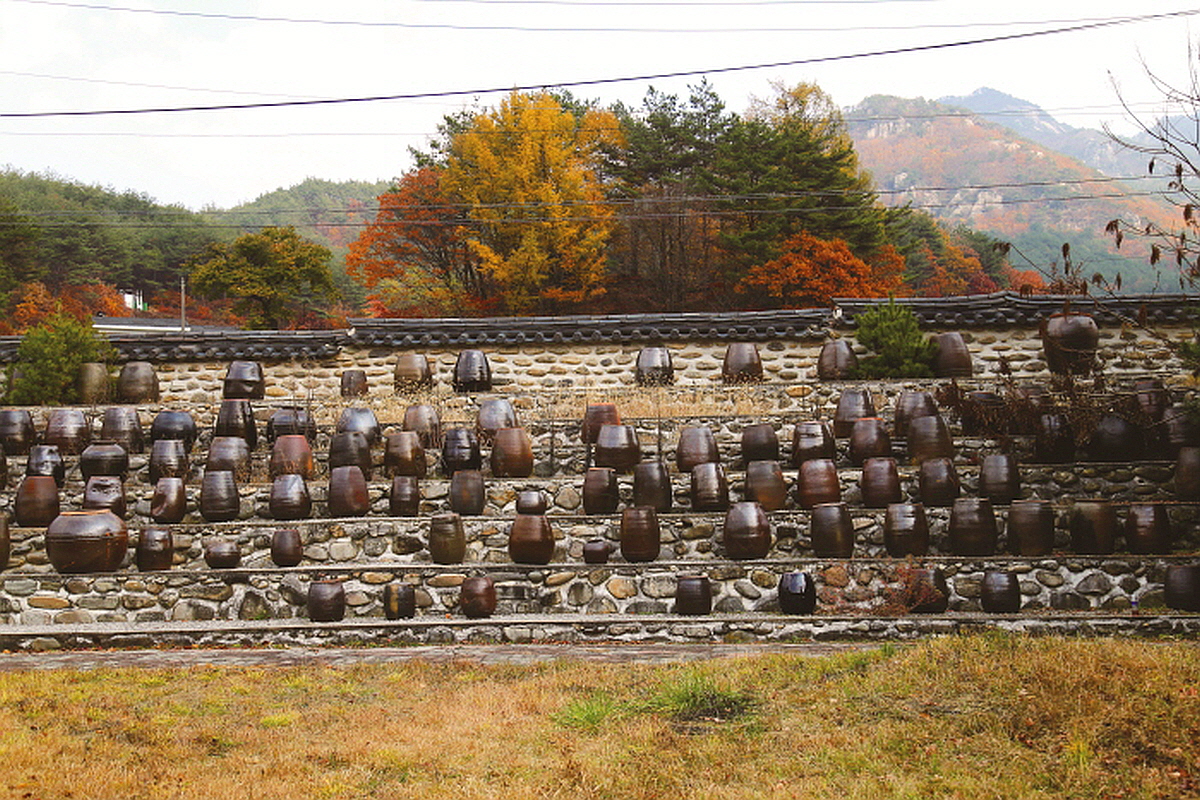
[893, 333]
[48, 361]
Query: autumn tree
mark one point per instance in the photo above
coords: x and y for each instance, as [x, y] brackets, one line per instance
[413, 259]
[810, 271]
[526, 172]
[271, 275]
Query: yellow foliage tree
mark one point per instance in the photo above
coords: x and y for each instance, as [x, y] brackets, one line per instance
[527, 173]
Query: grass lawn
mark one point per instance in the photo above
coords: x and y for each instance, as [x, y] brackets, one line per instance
[992, 716]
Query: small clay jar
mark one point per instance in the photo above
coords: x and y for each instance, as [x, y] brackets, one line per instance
[468, 494]
[1187, 474]
[86, 541]
[291, 421]
[652, 486]
[348, 493]
[1181, 587]
[287, 548]
[710, 487]
[155, 550]
[693, 595]
[531, 501]
[951, 358]
[222, 554]
[403, 454]
[447, 540]
[412, 370]
[17, 432]
[477, 597]
[105, 492]
[405, 498]
[219, 499]
[696, 445]
[354, 383]
[1000, 592]
[911, 404]
[326, 601]
[1054, 439]
[797, 593]
[596, 551]
[289, 498]
[399, 601]
[928, 437]
[168, 504]
[600, 491]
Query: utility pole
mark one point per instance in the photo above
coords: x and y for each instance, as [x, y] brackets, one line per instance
[182, 303]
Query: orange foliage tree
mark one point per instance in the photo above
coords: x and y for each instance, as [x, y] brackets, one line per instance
[33, 303]
[810, 271]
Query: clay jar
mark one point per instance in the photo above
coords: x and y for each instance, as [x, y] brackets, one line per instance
[403, 454]
[812, 439]
[617, 447]
[287, 549]
[174, 425]
[710, 487]
[244, 381]
[531, 501]
[817, 482]
[219, 500]
[880, 482]
[869, 438]
[910, 405]
[236, 418]
[1181, 587]
[472, 373]
[595, 415]
[399, 601]
[693, 595]
[105, 492]
[938, 482]
[137, 383]
[17, 433]
[5, 543]
[1187, 474]
[600, 491]
[1031, 527]
[1115, 439]
[120, 424]
[654, 367]
[765, 485]
[229, 453]
[169, 502]
[531, 539]
[467, 493]
[652, 486]
[405, 498]
[460, 450]
[1148, 529]
[1054, 439]
[494, 413]
[104, 458]
[832, 531]
[853, 404]
[289, 498]
[836, 361]
[348, 496]
[291, 421]
[596, 551]
[412, 370]
[742, 363]
[696, 445]
[362, 420]
[760, 443]
[1000, 593]
[326, 601]
[747, 532]
[1000, 478]
[354, 383]
[797, 593]
[477, 597]
[423, 419]
[905, 530]
[36, 502]
[972, 527]
[640, 535]
[155, 550]
[168, 459]
[1070, 342]
[447, 540]
[928, 437]
[951, 358]
[1093, 526]
[350, 449]
[86, 541]
[67, 429]
[93, 382]
[291, 454]
[44, 459]
[512, 453]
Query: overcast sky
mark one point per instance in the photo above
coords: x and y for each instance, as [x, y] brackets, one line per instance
[121, 55]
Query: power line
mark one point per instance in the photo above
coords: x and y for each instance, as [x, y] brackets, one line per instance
[607, 81]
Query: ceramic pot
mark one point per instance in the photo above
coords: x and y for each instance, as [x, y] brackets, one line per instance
[289, 498]
[617, 446]
[652, 486]
[399, 601]
[291, 421]
[817, 482]
[447, 540]
[472, 373]
[350, 449]
[910, 405]
[880, 483]
[640, 535]
[1000, 478]
[348, 495]
[1179, 430]
[531, 501]
[67, 429]
[244, 381]
[596, 552]
[836, 361]
[938, 482]
[423, 419]
[354, 383]
[5, 543]
[137, 383]
[1187, 474]
[494, 413]
[94, 383]
[812, 439]
[287, 549]
[1152, 398]
[693, 596]
[468, 494]
[36, 502]
[928, 437]
[460, 450]
[1000, 593]
[710, 487]
[531, 539]
[853, 405]
[595, 415]
[765, 485]
[412, 370]
[760, 443]
[832, 531]
[104, 458]
[1181, 587]
[1031, 527]
[972, 527]
[219, 500]
[229, 453]
[105, 492]
[512, 453]
[236, 418]
[1054, 439]
[17, 433]
[1070, 342]
[45, 459]
[600, 491]
[477, 597]
[696, 445]
[169, 502]
[404, 455]
[168, 459]
[1093, 526]
[797, 593]
[1148, 529]
[120, 424]
[869, 438]
[905, 530]
[951, 358]
[326, 601]
[405, 498]
[174, 425]
[86, 541]
[155, 550]
[291, 454]
[361, 420]
[742, 363]
[654, 367]
[747, 532]
[1116, 439]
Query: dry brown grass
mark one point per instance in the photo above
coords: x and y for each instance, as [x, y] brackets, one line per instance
[990, 716]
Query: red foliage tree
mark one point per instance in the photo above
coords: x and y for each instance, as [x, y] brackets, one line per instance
[810, 271]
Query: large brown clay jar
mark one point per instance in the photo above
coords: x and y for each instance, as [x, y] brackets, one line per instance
[121, 424]
[1148, 529]
[405, 498]
[617, 446]
[477, 597]
[531, 539]
[291, 454]
[747, 532]
[766, 485]
[600, 491]
[640, 534]
[155, 550]
[938, 482]
[812, 439]
[928, 437]
[219, 500]
[494, 413]
[1031, 527]
[652, 486]
[973, 527]
[403, 454]
[512, 453]
[880, 483]
[289, 498]
[869, 438]
[905, 530]
[853, 404]
[1093, 526]
[169, 501]
[710, 487]
[412, 370]
[817, 482]
[348, 495]
[468, 494]
[86, 541]
[447, 540]
[832, 531]
[36, 503]
[696, 445]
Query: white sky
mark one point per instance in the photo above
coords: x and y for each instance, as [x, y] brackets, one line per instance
[62, 55]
